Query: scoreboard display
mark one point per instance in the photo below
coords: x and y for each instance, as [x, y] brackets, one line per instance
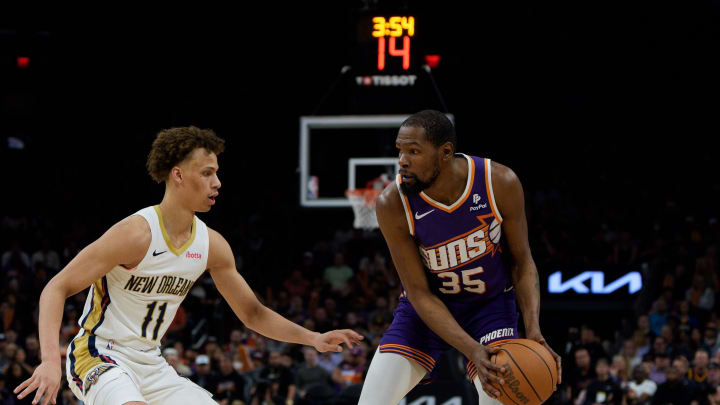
[390, 69]
[390, 31]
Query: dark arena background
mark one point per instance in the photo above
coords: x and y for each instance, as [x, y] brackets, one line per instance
[607, 111]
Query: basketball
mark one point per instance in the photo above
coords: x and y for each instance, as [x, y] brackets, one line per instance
[530, 372]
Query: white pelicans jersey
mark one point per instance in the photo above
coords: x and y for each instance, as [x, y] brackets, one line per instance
[128, 311]
[134, 307]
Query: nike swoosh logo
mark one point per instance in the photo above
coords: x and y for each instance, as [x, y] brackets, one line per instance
[155, 253]
[421, 216]
[508, 289]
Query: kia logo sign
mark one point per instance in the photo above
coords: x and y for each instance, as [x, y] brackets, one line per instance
[597, 283]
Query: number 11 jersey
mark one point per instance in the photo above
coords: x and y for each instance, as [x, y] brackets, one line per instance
[134, 307]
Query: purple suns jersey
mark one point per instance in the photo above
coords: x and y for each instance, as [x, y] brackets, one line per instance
[460, 244]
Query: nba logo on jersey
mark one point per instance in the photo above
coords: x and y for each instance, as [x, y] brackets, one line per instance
[110, 344]
[476, 198]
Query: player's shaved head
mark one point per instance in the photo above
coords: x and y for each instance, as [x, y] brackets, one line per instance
[437, 126]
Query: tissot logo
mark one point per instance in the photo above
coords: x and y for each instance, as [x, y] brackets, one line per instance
[633, 280]
[386, 80]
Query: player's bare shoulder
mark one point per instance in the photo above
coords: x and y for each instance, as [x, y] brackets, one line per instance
[389, 201]
[131, 236]
[219, 252]
[507, 189]
[502, 176]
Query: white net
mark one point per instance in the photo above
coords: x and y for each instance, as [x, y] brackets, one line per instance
[363, 204]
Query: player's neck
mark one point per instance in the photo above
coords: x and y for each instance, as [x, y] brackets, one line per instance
[450, 184]
[177, 219]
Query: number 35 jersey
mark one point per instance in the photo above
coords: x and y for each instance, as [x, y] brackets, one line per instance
[134, 307]
[460, 244]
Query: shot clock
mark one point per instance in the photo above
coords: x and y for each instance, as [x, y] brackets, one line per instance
[383, 72]
[389, 31]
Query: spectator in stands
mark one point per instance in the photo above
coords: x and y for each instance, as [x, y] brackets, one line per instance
[382, 314]
[643, 325]
[173, 359]
[673, 348]
[280, 379]
[714, 396]
[710, 338]
[602, 389]
[338, 274]
[296, 284]
[659, 346]
[229, 384]
[696, 340]
[619, 371]
[707, 266]
[350, 371]
[21, 359]
[322, 322]
[329, 361]
[239, 350]
[682, 365]
[686, 321]
[590, 341]
[641, 389]
[642, 344]
[15, 258]
[629, 353]
[15, 374]
[674, 390]
[698, 372]
[701, 297]
[658, 317]
[46, 257]
[661, 363]
[203, 376]
[713, 374]
[698, 376]
[310, 374]
[579, 377]
[7, 356]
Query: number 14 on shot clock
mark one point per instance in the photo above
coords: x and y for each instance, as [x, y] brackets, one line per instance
[387, 30]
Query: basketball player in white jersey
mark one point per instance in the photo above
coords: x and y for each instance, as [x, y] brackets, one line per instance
[138, 272]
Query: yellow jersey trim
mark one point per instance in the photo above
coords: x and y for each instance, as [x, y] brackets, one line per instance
[183, 248]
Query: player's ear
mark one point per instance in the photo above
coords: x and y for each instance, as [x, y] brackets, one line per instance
[447, 150]
[176, 174]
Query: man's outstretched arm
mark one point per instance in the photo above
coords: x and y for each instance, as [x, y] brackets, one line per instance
[258, 317]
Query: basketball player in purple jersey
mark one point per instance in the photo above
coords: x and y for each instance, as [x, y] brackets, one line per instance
[443, 221]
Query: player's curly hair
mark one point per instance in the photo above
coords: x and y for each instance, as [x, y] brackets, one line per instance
[438, 128]
[172, 146]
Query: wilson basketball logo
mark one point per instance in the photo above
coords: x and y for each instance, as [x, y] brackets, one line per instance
[191, 255]
[464, 248]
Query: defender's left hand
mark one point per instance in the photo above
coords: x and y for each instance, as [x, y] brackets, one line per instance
[538, 337]
[330, 341]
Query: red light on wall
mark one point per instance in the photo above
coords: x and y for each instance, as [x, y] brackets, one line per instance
[432, 60]
[23, 61]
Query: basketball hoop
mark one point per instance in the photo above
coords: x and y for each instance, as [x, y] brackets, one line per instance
[363, 202]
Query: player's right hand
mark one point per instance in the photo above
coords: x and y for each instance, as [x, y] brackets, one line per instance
[46, 380]
[481, 358]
